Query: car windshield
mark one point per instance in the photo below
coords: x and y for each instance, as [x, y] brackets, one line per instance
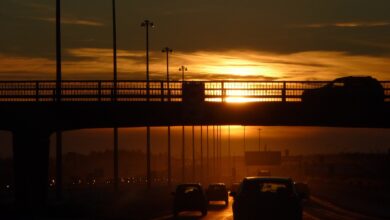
[188, 189]
[216, 187]
[266, 187]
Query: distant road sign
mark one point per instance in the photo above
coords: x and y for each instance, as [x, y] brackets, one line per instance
[255, 158]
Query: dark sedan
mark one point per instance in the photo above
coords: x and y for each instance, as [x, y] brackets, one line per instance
[189, 197]
[266, 198]
[217, 192]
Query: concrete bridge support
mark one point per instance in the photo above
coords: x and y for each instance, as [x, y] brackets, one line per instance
[31, 167]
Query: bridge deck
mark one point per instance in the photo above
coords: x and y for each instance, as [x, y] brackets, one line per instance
[161, 91]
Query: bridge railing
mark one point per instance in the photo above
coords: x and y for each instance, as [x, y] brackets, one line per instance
[159, 91]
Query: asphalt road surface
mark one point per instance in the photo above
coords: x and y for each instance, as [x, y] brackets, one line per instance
[315, 209]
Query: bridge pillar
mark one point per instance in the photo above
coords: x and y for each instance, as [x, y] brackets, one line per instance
[31, 168]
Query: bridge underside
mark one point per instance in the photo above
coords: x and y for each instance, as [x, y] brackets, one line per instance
[33, 123]
[70, 116]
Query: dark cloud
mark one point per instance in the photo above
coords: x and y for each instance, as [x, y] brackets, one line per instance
[201, 25]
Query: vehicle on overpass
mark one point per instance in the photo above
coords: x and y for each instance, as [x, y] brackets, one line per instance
[189, 197]
[347, 90]
[266, 198]
[217, 192]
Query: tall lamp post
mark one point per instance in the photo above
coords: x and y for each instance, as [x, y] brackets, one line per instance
[58, 99]
[259, 137]
[193, 153]
[201, 153]
[58, 50]
[116, 149]
[229, 152]
[167, 50]
[182, 69]
[147, 24]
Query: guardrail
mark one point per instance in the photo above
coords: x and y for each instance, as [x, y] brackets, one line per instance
[160, 91]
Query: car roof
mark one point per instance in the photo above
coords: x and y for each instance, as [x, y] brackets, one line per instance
[189, 184]
[270, 179]
[217, 184]
[355, 78]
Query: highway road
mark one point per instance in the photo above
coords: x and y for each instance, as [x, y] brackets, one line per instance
[315, 209]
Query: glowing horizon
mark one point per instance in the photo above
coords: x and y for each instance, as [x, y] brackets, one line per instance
[96, 63]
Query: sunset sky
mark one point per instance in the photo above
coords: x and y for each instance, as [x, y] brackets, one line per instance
[221, 39]
[218, 39]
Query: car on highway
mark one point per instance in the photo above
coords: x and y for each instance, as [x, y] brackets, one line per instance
[266, 198]
[217, 192]
[189, 197]
[347, 90]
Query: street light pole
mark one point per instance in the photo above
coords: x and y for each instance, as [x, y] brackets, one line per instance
[58, 99]
[229, 152]
[167, 50]
[207, 154]
[193, 153]
[201, 153]
[116, 149]
[182, 69]
[147, 24]
[183, 155]
[58, 50]
[259, 138]
[214, 162]
[244, 141]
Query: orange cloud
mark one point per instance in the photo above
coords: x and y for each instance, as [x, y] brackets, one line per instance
[96, 63]
[346, 24]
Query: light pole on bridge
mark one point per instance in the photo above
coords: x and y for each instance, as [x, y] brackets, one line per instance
[182, 69]
[193, 153]
[58, 99]
[147, 24]
[259, 129]
[167, 50]
[116, 148]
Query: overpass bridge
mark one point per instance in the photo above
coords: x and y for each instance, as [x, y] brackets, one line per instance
[33, 110]
[39, 105]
